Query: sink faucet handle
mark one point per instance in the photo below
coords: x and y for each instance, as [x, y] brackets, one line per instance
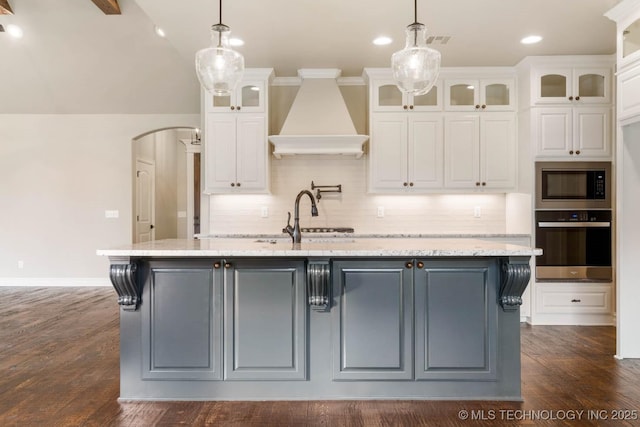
[289, 219]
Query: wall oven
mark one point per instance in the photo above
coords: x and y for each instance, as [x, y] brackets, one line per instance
[576, 245]
[573, 185]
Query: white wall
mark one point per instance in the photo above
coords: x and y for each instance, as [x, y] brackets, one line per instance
[58, 175]
[445, 213]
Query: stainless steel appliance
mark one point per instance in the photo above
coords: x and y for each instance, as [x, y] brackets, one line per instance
[576, 245]
[573, 185]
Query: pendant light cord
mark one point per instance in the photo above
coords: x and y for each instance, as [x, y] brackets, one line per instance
[220, 12]
[415, 11]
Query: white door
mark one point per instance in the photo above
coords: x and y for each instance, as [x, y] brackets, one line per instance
[251, 152]
[388, 147]
[220, 152]
[591, 131]
[145, 200]
[498, 150]
[462, 151]
[426, 151]
[554, 132]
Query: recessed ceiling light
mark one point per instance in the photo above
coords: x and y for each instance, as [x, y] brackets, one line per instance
[382, 41]
[236, 41]
[531, 40]
[160, 32]
[15, 31]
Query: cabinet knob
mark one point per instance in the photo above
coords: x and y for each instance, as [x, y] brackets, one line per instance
[577, 151]
[405, 184]
[571, 98]
[216, 265]
[571, 152]
[237, 184]
[420, 264]
[576, 300]
[477, 184]
[409, 264]
[405, 107]
[233, 107]
[411, 184]
[410, 107]
[238, 108]
[477, 106]
[577, 98]
[233, 184]
[484, 106]
[484, 184]
[227, 265]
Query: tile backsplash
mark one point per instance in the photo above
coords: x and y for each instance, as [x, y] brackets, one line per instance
[403, 213]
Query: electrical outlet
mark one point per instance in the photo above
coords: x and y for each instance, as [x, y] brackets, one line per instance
[477, 212]
[111, 214]
[380, 211]
[264, 212]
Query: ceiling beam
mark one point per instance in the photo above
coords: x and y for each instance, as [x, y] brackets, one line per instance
[5, 8]
[109, 7]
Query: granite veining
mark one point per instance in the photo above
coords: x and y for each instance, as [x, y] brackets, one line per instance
[321, 246]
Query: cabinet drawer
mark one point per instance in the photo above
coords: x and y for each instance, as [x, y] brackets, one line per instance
[575, 298]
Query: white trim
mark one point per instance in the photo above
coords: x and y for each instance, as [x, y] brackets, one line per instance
[54, 281]
[297, 81]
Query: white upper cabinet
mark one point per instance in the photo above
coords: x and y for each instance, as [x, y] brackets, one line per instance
[479, 95]
[385, 96]
[573, 86]
[249, 97]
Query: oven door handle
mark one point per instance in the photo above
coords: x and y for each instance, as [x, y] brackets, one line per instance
[595, 224]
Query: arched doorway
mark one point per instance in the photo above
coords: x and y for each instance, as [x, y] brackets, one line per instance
[166, 184]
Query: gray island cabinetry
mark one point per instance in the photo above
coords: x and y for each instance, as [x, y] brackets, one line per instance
[245, 319]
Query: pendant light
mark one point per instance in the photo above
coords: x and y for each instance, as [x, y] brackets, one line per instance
[219, 67]
[415, 68]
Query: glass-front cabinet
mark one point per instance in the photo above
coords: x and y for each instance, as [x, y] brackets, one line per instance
[387, 97]
[248, 97]
[572, 85]
[631, 39]
[479, 95]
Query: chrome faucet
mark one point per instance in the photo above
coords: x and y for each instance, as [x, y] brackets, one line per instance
[294, 231]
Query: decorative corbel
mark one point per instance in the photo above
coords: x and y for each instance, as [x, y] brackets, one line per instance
[319, 285]
[515, 275]
[123, 278]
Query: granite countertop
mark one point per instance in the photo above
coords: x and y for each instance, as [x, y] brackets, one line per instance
[321, 246]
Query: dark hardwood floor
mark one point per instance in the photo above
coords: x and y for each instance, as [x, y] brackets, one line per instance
[59, 356]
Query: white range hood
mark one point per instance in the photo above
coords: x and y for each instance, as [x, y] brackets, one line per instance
[318, 122]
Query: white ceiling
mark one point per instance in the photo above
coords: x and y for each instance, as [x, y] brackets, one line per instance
[75, 59]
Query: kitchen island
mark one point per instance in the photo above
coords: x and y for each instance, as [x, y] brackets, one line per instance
[331, 318]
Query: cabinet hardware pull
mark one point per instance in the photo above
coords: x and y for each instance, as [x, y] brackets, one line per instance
[227, 265]
[484, 106]
[576, 300]
[571, 152]
[405, 184]
[410, 107]
[233, 184]
[405, 107]
[571, 98]
[477, 184]
[420, 264]
[477, 106]
[484, 183]
[409, 264]
[238, 184]
[238, 108]
[411, 184]
[577, 98]
[216, 265]
[233, 108]
[577, 151]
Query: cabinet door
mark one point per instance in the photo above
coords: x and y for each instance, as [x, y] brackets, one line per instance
[251, 153]
[591, 130]
[425, 151]
[182, 320]
[456, 344]
[553, 86]
[388, 145]
[372, 325]
[220, 153]
[387, 97]
[265, 320]
[430, 101]
[462, 151]
[498, 150]
[592, 85]
[497, 94]
[553, 132]
[461, 95]
[250, 96]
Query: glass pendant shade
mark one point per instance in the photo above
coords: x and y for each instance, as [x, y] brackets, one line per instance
[415, 68]
[219, 67]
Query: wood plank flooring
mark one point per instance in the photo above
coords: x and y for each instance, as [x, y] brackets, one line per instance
[59, 366]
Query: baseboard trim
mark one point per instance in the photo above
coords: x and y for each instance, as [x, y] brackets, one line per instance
[54, 281]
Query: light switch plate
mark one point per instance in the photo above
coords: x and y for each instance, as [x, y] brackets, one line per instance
[112, 214]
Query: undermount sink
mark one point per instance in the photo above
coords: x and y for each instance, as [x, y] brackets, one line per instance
[324, 239]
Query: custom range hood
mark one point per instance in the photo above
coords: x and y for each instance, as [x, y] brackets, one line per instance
[318, 122]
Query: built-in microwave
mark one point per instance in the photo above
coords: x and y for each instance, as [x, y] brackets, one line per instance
[573, 185]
